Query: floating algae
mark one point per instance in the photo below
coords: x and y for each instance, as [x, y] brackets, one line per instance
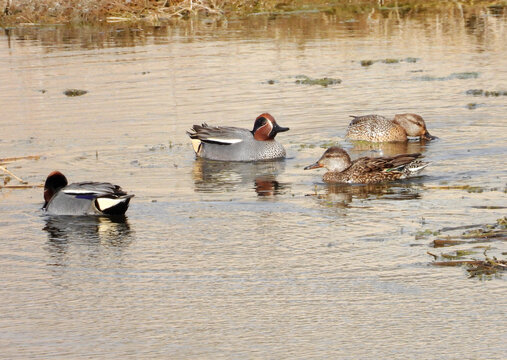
[487, 93]
[453, 76]
[325, 82]
[388, 61]
[366, 62]
[425, 233]
[391, 61]
[458, 254]
[74, 92]
[328, 144]
[464, 75]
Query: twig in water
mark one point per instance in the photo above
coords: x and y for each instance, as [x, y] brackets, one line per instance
[27, 186]
[14, 176]
[30, 157]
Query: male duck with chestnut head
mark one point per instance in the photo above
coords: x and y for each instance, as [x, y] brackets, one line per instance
[227, 143]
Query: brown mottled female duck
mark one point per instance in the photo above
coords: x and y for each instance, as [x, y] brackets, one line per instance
[377, 128]
[367, 170]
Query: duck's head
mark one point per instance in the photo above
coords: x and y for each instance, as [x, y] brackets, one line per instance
[333, 159]
[266, 128]
[414, 126]
[54, 182]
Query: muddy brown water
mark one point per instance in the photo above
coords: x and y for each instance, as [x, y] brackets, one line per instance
[250, 260]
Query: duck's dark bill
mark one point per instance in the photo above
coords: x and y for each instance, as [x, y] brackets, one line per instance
[313, 166]
[428, 136]
[278, 129]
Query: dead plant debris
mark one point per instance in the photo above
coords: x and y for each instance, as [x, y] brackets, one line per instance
[486, 233]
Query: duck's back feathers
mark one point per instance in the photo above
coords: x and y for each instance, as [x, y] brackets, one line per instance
[227, 143]
[222, 135]
[95, 189]
[371, 117]
[89, 198]
[375, 128]
[373, 170]
[368, 164]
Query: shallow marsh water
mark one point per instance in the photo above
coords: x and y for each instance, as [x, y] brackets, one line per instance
[248, 260]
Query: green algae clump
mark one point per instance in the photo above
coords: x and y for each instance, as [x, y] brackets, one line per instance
[74, 92]
[325, 82]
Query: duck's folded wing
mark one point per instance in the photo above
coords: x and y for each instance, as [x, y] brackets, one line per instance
[385, 163]
[371, 117]
[222, 135]
[94, 189]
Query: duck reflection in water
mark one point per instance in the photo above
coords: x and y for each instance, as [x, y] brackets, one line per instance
[341, 195]
[223, 176]
[388, 149]
[89, 232]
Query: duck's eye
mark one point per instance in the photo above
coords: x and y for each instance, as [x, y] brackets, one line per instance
[260, 122]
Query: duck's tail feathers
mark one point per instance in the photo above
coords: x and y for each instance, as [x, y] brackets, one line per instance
[415, 167]
[113, 205]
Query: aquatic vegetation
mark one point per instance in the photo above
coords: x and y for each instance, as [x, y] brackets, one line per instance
[7, 179]
[74, 92]
[458, 254]
[464, 75]
[388, 61]
[325, 82]
[486, 233]
[446, 242]
[391, 61]
[425, 233]
[484, 269]
[306, 146]
[453, 76]
[487, 267]
[366, 62]
[157, 11]
[430, 78]
[475, 189]
[328, 144]
[468, 188]
[475, 92]
[487, 93]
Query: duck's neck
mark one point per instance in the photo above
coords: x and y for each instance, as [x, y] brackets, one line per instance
[339, 165]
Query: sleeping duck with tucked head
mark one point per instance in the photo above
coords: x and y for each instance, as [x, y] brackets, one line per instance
[83, 198]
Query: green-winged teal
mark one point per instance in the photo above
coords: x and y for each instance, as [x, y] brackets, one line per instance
[83, 198]
[377, 128]
[367, 170]
[229, 143]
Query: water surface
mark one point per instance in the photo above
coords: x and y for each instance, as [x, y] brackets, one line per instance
[250, 260]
